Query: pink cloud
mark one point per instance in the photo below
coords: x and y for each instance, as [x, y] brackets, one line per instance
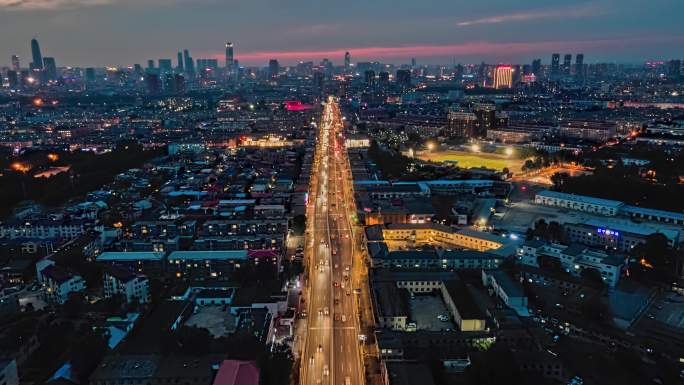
[554, 13]
[482, 48]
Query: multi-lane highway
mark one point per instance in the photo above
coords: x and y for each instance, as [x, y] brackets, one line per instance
[331, 353]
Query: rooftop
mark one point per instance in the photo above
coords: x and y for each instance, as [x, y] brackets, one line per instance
[130, 256]
[208, 255]
[581, 198]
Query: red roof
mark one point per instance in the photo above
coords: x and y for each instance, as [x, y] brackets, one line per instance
[234, 372]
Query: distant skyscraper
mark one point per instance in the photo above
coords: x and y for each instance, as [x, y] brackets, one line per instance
[150, 64]
[90, 75]
[318, 79]
[536, 67]
[165, 66]
[347, 61]
[555, 65]
[567, 64]
[383, 79]
[50, 68]
[206, 67]
[674, 69]
[152, 82]
[180, 83]
[15, 63]
[273, 68]
[13, 79]
[413, 62]
[579, 66]
[37, 57]
[503, 77]
[327, 67]
[369, 77]
[180, 62]
[404, 78]
[229, 55]
[188, 62]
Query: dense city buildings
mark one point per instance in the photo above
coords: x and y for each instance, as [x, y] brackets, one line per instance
[243, 217]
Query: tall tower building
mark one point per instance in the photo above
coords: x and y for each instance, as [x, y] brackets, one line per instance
[179, 68]
[536, 67]
[555, 65]
[229, 55]
[37, 57]
[273, 68]
[369, 77]
[347, 61]
[404, 78]
[567, 64]
[50, 68]
[16, 66]
[503, 77]
[674, 69]
[189, 63]
[165, 66]
[579, 66]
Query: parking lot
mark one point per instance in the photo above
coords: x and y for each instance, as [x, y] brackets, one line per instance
[669, 310]
[219, 322]
[424, 311]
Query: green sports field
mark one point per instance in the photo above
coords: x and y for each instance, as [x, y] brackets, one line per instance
[471, 159]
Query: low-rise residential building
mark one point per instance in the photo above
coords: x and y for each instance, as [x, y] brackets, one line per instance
[619, 235]
[60, 283]
[391, 306]
[214, 262]
[234, 372]
[467, 314]
[44, 229]
[573, 259]
[407, 235]
[149, 262]
[121, 281]
[507, 290]
[438, 259]
[584, 203]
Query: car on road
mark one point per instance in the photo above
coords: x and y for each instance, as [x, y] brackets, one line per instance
[326, 311]
[320, 348]
[326, 370]
[311, 360]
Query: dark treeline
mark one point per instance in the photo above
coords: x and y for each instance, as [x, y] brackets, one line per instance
[88, 172]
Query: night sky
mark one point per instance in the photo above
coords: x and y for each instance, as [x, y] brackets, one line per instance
[123, 32]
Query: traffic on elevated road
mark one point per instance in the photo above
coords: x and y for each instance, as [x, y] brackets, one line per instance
[332, 352]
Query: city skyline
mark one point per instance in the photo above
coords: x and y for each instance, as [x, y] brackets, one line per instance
[495, 32]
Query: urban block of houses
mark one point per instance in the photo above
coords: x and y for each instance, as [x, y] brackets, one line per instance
[409, 235]
[391, 296]
[132, 286]
[606, 207]
[507, 290]
[574, 259]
